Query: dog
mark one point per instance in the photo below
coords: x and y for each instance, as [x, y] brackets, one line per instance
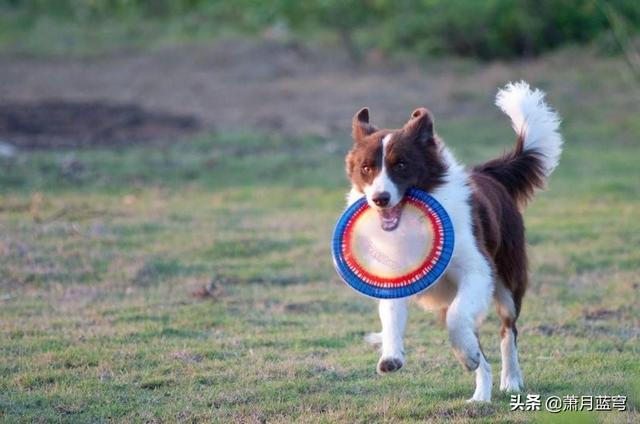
[485, 204]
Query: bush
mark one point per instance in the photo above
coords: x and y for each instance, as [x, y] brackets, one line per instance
[486, 29]
[479, 28]
[499, 28]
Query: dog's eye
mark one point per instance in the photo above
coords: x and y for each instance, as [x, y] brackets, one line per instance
[365, 169]
[400, 166]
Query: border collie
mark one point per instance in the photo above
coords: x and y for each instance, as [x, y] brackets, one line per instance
[485, 203]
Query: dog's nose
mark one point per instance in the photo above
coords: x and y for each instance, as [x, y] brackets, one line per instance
[381, 199]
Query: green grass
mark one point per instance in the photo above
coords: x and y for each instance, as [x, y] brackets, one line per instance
[101, 250]
[87, 29]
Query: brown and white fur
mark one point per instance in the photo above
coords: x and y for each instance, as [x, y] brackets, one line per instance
[489, 259]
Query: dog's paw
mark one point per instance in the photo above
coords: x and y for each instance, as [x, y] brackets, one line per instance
[373, 339]
[511, 384]
[389, 364]
[483, 390]
[479, 399]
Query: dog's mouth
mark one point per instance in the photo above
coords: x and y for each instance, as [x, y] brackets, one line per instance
[390, 217]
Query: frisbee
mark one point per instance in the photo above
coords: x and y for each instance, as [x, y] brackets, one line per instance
[398, 263]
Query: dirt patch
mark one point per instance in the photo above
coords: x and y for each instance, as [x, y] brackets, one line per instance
[65, 124]
[211, 291]
[603, 314]
[470, 411]
[266, 86]
[284, 88]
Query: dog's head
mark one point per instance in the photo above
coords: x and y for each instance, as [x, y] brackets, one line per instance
[384, 164]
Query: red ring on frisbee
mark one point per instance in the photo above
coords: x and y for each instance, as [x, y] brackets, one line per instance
[434, 252]
[381, 269]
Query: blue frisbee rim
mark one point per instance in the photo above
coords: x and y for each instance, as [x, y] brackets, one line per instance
[422, 283]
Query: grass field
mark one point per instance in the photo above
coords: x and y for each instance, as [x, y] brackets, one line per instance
[104, 255]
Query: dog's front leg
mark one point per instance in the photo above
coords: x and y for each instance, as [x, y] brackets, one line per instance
[463, 317]
[393, 316]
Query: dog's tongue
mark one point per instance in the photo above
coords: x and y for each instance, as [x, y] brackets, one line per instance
[390, 217]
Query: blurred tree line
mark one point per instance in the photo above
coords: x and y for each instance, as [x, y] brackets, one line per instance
[484, 29]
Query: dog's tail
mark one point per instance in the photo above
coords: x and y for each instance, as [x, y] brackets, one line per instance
[537, 151]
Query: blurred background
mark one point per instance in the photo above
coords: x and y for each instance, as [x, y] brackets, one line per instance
[171, 171]
[296, 68]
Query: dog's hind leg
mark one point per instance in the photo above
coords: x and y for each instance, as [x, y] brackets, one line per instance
[393, 316]
[465, 313]
[510, 376]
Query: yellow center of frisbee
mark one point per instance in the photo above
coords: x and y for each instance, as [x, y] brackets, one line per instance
[391, 254]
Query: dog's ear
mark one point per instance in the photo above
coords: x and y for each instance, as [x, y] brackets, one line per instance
[360, 126]
[420, 126]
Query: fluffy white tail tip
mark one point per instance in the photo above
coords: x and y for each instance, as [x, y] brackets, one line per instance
[534, 120]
